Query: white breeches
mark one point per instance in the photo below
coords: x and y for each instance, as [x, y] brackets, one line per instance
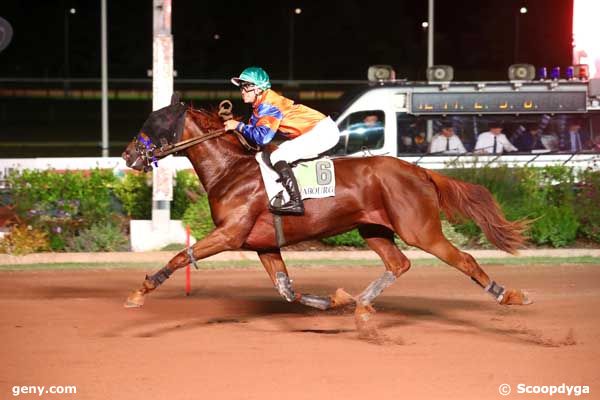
[318, 140]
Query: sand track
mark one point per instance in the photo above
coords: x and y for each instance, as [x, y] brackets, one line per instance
[235, 338]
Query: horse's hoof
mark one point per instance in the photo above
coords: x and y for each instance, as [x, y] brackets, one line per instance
[363, 313]
[365, 324]
[134, 300]
[516, 297]
[341, 298]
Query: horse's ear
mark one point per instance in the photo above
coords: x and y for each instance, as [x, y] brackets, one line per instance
[225, 110]
[175, 98]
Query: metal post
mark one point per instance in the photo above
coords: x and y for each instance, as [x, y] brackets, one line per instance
[291, 47]
[430, 32]
[161, 230]
[518, 16]
[162, 60]
[66, 61]
[516, 47]
[162, 90]
[104, 45]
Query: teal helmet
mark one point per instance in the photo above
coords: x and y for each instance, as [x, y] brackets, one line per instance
[255, 75]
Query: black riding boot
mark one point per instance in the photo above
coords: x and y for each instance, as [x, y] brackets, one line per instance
[288, 180]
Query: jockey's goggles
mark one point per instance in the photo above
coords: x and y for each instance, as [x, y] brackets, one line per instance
[247, 86]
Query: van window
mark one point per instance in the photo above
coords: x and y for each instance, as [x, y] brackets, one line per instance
[362, 130]
[551, 131]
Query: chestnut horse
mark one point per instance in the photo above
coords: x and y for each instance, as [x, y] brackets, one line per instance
[381, 196]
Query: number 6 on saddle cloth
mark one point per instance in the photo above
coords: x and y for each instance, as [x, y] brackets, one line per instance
[316, 178]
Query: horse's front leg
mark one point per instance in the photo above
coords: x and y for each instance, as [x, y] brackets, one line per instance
[221, 239]
[277, 271]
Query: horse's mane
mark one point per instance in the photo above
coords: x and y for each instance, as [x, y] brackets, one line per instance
[207, 120]
[210, 121]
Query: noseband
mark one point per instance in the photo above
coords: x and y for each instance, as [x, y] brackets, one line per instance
[146, 151]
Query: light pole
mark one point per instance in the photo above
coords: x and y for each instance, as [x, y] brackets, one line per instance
[104, 73]
[423, 38]
[522, 11]
[295, 11]
[67, 73]
[430, 33]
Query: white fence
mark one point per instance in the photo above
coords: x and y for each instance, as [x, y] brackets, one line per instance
[117, 164]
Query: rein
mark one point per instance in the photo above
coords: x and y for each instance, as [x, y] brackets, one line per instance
[150, 153]
[168, 149]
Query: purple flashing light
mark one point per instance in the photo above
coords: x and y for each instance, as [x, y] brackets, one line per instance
[555, 74]
[542, 73]
[570, 72]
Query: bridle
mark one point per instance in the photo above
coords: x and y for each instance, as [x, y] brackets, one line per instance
[149, 152]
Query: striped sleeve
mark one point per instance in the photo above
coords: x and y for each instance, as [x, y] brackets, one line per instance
[263, 124]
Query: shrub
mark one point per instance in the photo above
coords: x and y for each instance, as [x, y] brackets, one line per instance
[99, 237]
[186, 185]
[135, 194]
[24, 239]
[198, 217]
[351, 238]
[587, 199]
[89, 193]
[60, 204]
[557, 227]
[544, 195]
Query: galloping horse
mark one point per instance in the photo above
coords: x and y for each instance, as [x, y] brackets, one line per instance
[378, 195]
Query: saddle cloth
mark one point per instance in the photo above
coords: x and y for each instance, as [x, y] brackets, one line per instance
[316, 178]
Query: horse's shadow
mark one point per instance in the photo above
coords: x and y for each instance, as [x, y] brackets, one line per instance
[257, 306]
[169, 311]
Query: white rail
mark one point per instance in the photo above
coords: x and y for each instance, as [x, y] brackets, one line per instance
[579, 161]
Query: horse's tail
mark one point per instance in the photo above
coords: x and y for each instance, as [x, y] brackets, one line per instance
[477, 203]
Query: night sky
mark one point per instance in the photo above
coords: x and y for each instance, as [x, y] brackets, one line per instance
[333, 39]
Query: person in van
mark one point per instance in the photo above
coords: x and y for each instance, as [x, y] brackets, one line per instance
[446, 142]
[531, 139]
[493, 141]
[574, 139]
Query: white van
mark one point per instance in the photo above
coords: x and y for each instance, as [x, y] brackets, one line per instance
[400, 119]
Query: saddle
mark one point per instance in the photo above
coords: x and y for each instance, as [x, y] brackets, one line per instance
[315, 177]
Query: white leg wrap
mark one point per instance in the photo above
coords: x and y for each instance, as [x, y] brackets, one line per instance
[311, 300]
[376, 287]
[496, 291]
[283, 284]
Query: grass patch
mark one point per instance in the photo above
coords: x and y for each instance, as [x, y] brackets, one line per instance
[244, 264]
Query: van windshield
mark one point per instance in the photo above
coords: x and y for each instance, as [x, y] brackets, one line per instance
[363, 130]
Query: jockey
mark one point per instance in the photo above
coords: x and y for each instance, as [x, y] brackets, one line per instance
[310, 133]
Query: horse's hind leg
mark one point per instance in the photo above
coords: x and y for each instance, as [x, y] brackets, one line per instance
[432, 240]
[277, 271]
[381, 240]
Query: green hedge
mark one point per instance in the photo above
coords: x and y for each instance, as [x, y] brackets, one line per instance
[69, 209]
[63, 204]
[559, 200]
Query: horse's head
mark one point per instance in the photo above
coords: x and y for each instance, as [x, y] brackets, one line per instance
[163, 127]
[165, 132]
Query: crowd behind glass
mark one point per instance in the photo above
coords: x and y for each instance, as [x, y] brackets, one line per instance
[469, 134]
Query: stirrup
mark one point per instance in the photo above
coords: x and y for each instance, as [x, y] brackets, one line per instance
[289, 208]
[276, 206]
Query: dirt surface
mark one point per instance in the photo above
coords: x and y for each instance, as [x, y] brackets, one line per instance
[440, 336]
